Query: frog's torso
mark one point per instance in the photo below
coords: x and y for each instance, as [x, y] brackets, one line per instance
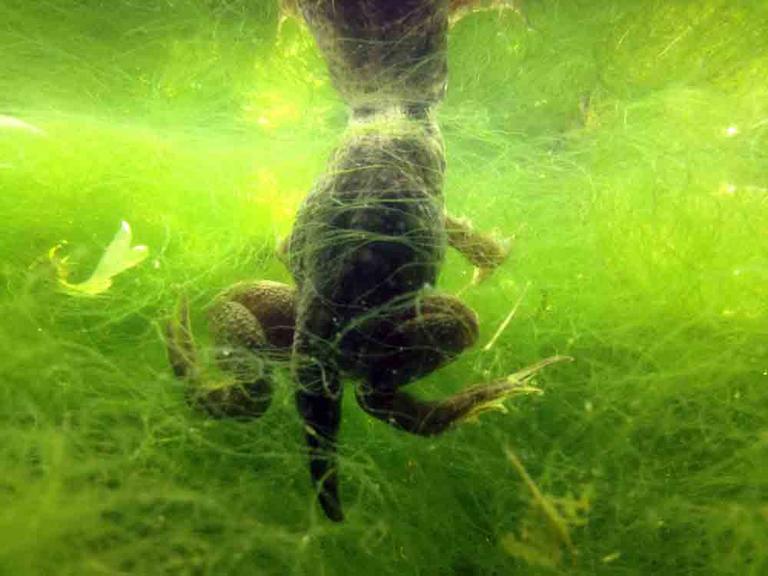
[371, 234]
[372, 230]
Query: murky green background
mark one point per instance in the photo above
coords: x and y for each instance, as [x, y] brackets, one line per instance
[623, 144]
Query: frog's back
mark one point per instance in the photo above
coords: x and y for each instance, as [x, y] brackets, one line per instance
[372, 230]
[381, 53]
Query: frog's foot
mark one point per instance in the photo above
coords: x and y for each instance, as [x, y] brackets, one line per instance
[429, 418]
[232, 399]
[180, 344]
[245, 397]
[492, 397]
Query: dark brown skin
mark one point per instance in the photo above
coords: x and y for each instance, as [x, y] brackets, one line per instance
[365, 253]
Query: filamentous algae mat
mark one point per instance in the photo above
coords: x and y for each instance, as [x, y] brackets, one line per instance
[152, 152]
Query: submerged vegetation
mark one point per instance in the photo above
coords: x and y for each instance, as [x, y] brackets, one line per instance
[623, 144]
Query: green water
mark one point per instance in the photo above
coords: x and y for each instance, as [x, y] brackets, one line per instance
[623, 143]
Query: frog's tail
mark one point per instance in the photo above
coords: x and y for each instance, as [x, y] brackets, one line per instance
[320, 408]
[318, 400]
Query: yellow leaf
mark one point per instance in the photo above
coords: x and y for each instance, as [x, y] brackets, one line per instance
[118, 257]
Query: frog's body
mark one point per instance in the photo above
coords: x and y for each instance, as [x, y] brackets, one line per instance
[370, 239]
[367, 242]
[365, 253]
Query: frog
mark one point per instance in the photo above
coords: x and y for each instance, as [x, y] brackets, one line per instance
[365, 254]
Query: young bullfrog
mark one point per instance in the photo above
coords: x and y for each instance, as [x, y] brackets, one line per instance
[365, 253]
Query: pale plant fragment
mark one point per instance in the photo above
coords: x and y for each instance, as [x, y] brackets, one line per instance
[13, 123]
[118, 257]
[545, 531]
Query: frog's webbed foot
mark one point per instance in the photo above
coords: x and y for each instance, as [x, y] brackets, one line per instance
[180, 344]
[429, 418]
[252, 326]
[485, 252]
[492, 397]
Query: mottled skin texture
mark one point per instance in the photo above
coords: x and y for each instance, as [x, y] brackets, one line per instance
[365, 253]
[379, 53]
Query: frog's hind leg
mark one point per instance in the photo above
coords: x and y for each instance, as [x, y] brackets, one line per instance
[437, 330]
[404, 344]
[258, 315]
[252, 325]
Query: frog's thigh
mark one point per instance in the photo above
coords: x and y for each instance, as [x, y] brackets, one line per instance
[415, 342]
[258, 315]
[434, 334]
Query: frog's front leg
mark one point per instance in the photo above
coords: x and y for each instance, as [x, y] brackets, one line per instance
[252, 325]
[484, 251]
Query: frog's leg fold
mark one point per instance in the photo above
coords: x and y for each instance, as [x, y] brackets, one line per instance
[269, 305]
[404, 342]
[252, 325]
[407, 345]
[318, 400]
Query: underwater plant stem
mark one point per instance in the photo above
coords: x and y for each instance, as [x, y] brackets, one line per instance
[507, 320]
[556, 522]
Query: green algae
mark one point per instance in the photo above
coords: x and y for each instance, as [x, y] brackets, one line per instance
[623, 142]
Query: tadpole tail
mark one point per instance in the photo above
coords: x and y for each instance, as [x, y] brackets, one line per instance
[318, 400]
[323, 468]
[321, 414]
